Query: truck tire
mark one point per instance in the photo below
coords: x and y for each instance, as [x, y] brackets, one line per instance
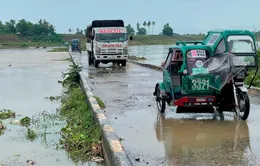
[90, 59]
[96, 63]
[123, 63]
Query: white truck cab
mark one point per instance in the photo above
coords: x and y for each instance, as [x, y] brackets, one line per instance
[107, 44]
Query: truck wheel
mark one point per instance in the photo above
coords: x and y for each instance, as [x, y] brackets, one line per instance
[123, 63]
[96, 63]
[90, 59]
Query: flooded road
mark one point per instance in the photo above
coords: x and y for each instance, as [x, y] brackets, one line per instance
[26, 78]
[150, 138]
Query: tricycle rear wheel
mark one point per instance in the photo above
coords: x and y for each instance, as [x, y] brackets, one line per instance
[244, 105]
[161, 102]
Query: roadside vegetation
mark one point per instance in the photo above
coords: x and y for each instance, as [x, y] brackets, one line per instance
[59, 49]
[100, 102]
[251, 73]
[81, 136]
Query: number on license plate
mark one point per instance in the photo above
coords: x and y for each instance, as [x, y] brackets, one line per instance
[200, 84]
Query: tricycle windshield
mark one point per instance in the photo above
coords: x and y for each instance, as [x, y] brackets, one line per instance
[241, 44]
[211, 39]
[195, 61]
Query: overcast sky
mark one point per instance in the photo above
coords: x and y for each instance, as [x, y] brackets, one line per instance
[184, 16]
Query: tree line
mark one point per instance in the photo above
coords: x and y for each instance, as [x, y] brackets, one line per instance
[146, 29]
[40, 31]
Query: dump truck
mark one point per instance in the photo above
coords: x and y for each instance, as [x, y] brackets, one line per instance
[107, 41]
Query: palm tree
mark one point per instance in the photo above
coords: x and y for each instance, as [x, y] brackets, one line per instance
[149, 24]
[70, 30]
[138, 26]
[144, 24]
[153, 23]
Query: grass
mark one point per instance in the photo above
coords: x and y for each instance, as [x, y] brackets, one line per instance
[256, 82]
[81, 136]
[100, 102]
[59, 49]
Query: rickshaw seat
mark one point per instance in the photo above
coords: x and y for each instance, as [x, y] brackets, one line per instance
[175, 67]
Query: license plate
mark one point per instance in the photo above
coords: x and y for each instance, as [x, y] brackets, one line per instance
[200, 99]
[200, 84]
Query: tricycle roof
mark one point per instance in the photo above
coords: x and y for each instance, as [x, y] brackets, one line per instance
[186, 48]
[227, 32]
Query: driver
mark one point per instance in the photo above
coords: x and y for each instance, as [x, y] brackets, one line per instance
[178, 56]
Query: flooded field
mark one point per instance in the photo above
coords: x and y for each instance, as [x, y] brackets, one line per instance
[154, 54]
[27, 79]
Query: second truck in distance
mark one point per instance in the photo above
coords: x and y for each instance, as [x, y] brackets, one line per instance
[107, 41]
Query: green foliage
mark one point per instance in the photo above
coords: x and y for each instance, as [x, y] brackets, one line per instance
[81, 135]
[100, 102]
[130, 30]
[42, 31]
[26, 121]
[72, 77]
[251, 73]
[5, 114]
[60, 49]
[142, 31]
[24, 45]
[167, 30]
[30, 135]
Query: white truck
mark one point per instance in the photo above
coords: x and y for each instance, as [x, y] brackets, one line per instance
[107, 41]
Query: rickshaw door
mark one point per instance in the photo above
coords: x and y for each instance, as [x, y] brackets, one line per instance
[166, 72]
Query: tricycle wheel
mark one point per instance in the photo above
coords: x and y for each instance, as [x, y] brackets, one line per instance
[161, 103]
[244, 105]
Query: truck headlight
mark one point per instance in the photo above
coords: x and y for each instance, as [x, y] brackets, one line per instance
[98, 50]
[125, 50]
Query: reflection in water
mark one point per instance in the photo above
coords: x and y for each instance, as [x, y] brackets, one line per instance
[204, 142]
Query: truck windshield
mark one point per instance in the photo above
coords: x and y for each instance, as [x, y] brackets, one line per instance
[111, 37]
[240, 44]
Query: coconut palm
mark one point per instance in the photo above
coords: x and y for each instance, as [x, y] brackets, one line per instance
[149, 24]
[153, 24]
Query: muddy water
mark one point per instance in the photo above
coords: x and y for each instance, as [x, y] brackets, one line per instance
[153, 54]
[26, 78]
[150, 138]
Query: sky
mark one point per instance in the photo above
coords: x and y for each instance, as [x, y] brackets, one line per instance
[184, 16]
